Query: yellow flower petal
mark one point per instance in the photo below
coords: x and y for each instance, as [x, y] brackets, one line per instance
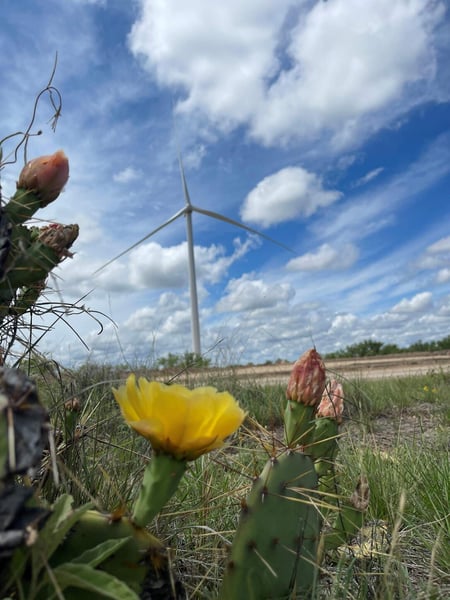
[178, 421]
[124, 397]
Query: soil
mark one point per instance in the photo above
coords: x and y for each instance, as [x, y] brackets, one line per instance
[418, 424]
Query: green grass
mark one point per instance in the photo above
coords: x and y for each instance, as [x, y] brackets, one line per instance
[101, 460]
[372, 397]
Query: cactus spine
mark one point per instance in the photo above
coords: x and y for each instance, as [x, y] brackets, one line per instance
[274, 551]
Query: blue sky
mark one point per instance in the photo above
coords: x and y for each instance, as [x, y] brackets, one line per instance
[325, 125]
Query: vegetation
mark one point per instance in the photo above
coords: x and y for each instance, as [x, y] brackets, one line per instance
[374, 348]
[181, 362]
[403, 553]
[368, 347]
[61, 499]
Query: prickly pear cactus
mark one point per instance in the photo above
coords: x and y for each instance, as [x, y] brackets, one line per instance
[274, 551]
[140, 563]
[28, 254]
[293, 514]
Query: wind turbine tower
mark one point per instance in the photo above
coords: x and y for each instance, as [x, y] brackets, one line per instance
[187, 211]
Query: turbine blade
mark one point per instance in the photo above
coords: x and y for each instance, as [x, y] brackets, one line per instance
[214, 215]
[187, 198]
[168, 222]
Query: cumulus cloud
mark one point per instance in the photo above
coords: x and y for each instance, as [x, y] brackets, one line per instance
[324, 67]
[417, 303]
[169, 314]
[349, 59]
[154, 266]
[248, 294]
[285, 195]
[326, 257]
[218, 53]
[344, 322]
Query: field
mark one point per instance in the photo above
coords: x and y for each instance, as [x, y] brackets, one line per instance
[396, 431]
[374, 367]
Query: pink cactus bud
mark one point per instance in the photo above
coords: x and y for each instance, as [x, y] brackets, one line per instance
[59, 237]
[307, 380]
[332, 403]
[46, 176]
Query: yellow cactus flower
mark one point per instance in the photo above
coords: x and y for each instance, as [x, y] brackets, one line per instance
[178, 421]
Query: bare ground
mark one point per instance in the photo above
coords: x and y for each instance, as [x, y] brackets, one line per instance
[377, 367]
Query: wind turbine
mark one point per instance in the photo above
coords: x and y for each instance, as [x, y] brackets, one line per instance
[187, 211]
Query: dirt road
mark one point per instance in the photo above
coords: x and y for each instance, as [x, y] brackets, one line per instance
[399, 365]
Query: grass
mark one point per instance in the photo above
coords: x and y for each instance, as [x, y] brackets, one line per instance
[396, 432]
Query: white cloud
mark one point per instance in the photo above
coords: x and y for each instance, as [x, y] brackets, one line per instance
[436, 255]
[443, 275]
[193, 158]
[419, 303]
[347, 321]
[444, 309]
[442, 245]
[218, 53]
[126, 175]
[249, 294]
[368, 177]
[285, 195]
[326, 257]
[152, 266]
[350, 59]
[338, 69]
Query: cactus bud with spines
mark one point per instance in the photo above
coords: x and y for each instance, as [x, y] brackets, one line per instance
[35, 252]
[297, 489]
[325, 442]
[46, 176]
[40, 182]
[304, 392]
[326, 426]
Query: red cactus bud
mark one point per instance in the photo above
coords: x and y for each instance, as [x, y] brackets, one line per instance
[307, 380]
[332, 403]
[46, 176]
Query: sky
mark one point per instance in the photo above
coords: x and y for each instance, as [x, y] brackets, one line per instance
[324, 125]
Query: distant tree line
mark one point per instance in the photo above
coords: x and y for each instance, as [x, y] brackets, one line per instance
[188, 360]
[374, 348]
